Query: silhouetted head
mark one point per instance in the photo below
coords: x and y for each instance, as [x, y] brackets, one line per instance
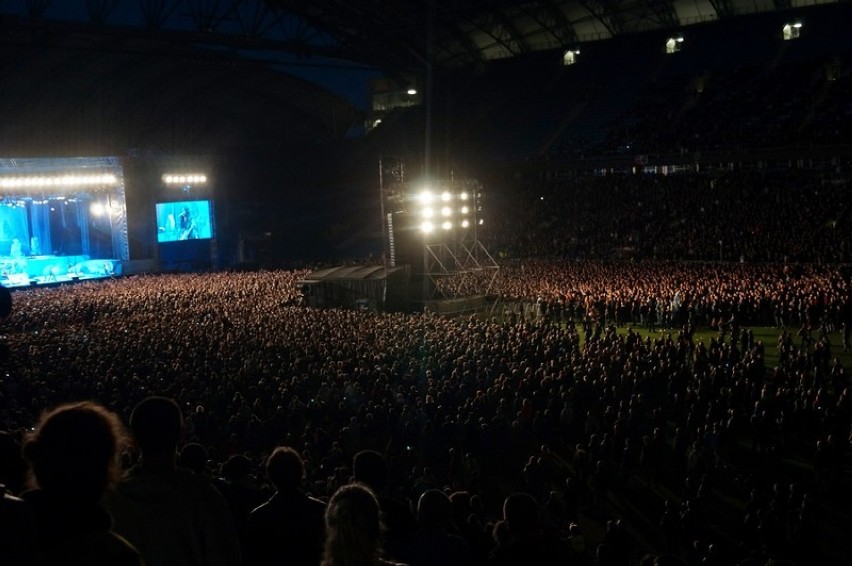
[73, 452]
[285, 468]
[520, 511]
[370, 468]
[434, 509]
[157, 426]
[353, 527]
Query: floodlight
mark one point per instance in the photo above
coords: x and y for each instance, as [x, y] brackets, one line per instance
[411, 91]
[97, 209]
[463, 196]
[426, 197]
[427, 212]
[446, 211]
[446, 196]
[427, 227]
[481, 221]
[465, 210]
[465, 223]
[447, 225]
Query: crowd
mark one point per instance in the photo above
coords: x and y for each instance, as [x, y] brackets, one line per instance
[733, 216]
[564, 437]
[739, 107]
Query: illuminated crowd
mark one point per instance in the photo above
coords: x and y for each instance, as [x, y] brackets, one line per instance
[620, 442]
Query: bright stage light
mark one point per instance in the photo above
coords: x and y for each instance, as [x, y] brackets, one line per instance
[425, 197]
[465, 210]
[446, 196]
[447, 225]
[463, 196]
[59, 180]
[184, 178]
[481, 221]
[465, 223]
[427, 212]
[97, 209]
[427, 227]
[446, 211]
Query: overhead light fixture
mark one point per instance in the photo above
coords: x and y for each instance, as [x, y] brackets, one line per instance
[184, 178]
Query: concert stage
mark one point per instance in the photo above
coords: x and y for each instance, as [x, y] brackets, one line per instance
[61, 220]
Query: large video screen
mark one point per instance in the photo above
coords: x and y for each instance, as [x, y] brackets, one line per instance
[183, 220]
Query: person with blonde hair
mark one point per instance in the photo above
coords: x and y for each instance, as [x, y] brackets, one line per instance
[73, 454]
[354, 529]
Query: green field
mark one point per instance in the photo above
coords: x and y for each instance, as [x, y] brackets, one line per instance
[767, 334]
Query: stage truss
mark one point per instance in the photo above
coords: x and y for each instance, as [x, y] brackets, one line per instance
[450, 260]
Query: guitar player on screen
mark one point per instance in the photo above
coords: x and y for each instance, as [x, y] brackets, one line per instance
[186, 225]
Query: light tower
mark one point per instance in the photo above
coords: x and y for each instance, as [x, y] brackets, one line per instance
[432, 228]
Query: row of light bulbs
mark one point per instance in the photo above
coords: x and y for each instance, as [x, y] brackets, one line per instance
[427, 197]
[170, 179]
[446, 211]
[428, 226]
[58, 181]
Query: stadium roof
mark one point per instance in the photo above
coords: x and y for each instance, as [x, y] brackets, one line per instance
[461, 32]
[194, 75]
[385, 34]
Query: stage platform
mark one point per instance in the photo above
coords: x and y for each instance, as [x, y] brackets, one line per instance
[16, 272]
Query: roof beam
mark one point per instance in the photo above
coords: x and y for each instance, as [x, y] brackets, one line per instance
[723, 8]
[664, 12]
[606, 13]
[550, 17]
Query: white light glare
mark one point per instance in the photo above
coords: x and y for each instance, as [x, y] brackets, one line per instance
[427, 227]
[447, 225]
[446, 211]
[425, 197]
[63, 180]
[428, 212]
[465, 223]
[194, 178]
[97, 209]
[412, 91]
[446, 196]
[465, 210]
[463, 196]
[481, 221]
[797, 25]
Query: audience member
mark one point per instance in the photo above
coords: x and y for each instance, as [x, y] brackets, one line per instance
[353, 529]
[290, 527]
[523, 542]
[73, 455]
[437, 542]
[172, 515]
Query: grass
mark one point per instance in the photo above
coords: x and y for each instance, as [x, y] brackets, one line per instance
[766, 334]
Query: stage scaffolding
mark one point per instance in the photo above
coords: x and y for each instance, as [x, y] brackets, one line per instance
[449, 260]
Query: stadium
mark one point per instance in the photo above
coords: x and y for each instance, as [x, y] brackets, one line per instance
[451, 283]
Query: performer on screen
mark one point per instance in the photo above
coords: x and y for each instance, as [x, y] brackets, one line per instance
[186, 224]
[16, 249]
